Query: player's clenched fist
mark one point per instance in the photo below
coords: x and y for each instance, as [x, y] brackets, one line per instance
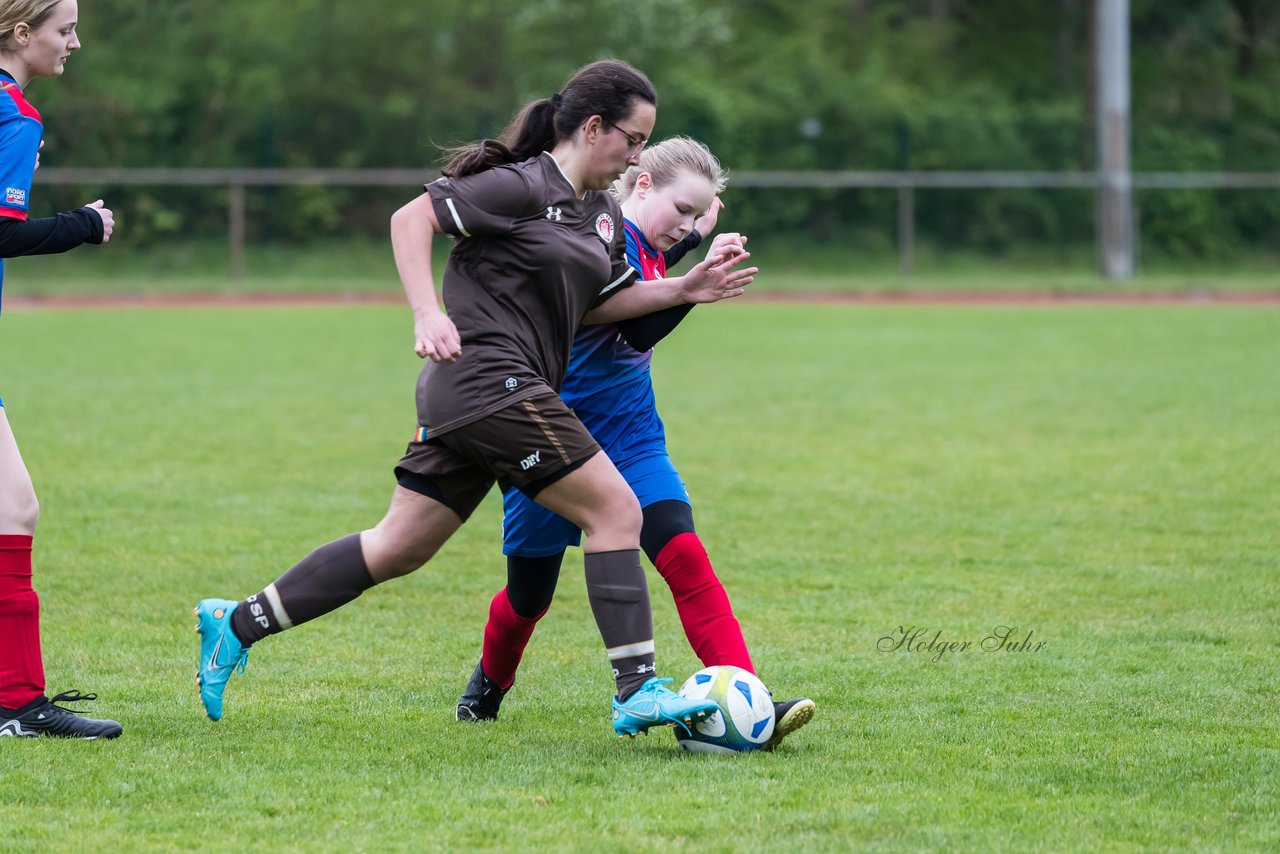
[108, 218]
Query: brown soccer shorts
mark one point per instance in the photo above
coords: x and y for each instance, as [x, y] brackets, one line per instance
[529, 445]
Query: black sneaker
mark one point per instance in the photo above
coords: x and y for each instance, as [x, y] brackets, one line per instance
[790, 716]
[481, 699]
[42, 717]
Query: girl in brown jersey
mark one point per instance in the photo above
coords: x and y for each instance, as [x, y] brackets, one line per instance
[539, 250]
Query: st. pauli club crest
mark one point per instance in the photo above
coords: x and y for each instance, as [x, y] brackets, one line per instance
[604, 227]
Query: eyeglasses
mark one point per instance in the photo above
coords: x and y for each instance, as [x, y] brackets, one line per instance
[637, 142]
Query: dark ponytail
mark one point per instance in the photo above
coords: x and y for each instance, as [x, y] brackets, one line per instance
[609, 89]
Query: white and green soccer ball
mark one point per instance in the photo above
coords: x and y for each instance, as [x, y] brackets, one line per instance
[745, 720]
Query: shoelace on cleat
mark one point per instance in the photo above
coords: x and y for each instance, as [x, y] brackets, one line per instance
[71, 697]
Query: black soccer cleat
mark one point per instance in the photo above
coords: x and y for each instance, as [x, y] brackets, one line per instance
[482, 698]
[789, 717]
[42, 717]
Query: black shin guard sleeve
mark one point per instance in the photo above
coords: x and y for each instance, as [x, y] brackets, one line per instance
[328, 578]
[531, 583]
[619, 598]
[663, 522]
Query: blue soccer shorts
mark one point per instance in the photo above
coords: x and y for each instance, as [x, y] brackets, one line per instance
[531, 530]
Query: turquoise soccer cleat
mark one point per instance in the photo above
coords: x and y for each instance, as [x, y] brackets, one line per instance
[220, 652]
[656, 705]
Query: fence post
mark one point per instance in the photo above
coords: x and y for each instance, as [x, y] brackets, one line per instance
[906, 229]
[1117, 234]
[236, 228]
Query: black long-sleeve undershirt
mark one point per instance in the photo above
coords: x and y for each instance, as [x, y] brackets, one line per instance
[643, 332]
[691, 242]
[51, 234]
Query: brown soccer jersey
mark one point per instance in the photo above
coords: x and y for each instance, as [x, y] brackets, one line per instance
[531, 260]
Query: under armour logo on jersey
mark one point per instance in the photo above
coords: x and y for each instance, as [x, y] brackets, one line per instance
[554, 214]
[511, 383]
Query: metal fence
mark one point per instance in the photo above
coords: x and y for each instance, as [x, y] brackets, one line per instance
[236, 181]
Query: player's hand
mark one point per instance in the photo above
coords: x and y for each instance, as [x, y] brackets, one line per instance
[108, 218]
[728, 243]
[435, 337]
[38, 150]
[721, 274]
[707, 222]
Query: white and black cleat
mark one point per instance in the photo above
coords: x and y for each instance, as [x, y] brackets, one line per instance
[481, 699]
[43, 717]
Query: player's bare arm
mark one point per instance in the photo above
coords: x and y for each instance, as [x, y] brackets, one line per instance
[412, 228]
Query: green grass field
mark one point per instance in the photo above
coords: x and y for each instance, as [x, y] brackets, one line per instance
[1104, 478]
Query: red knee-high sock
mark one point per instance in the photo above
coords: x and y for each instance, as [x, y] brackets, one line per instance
[702, 603]
[21, 667]
[505, 637]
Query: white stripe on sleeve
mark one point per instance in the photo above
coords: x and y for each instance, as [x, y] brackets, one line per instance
[618, 280]
[457, 220]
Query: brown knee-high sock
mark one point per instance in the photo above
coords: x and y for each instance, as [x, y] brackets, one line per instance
[619, 598]
[323, 581]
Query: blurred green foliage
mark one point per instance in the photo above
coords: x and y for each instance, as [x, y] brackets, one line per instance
[768, 84]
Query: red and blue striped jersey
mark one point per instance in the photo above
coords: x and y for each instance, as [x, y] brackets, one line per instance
[608, 384]
[20, 133]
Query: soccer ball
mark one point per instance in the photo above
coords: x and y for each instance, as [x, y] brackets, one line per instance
[745, 720]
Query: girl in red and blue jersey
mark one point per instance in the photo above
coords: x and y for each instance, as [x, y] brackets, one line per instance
[36, 38]
[669, 201]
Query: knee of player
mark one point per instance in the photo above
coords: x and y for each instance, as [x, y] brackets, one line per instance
[622, 515]
[389, 556]
[21, 509]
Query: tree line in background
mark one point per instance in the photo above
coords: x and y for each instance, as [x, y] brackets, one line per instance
[768, 84]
